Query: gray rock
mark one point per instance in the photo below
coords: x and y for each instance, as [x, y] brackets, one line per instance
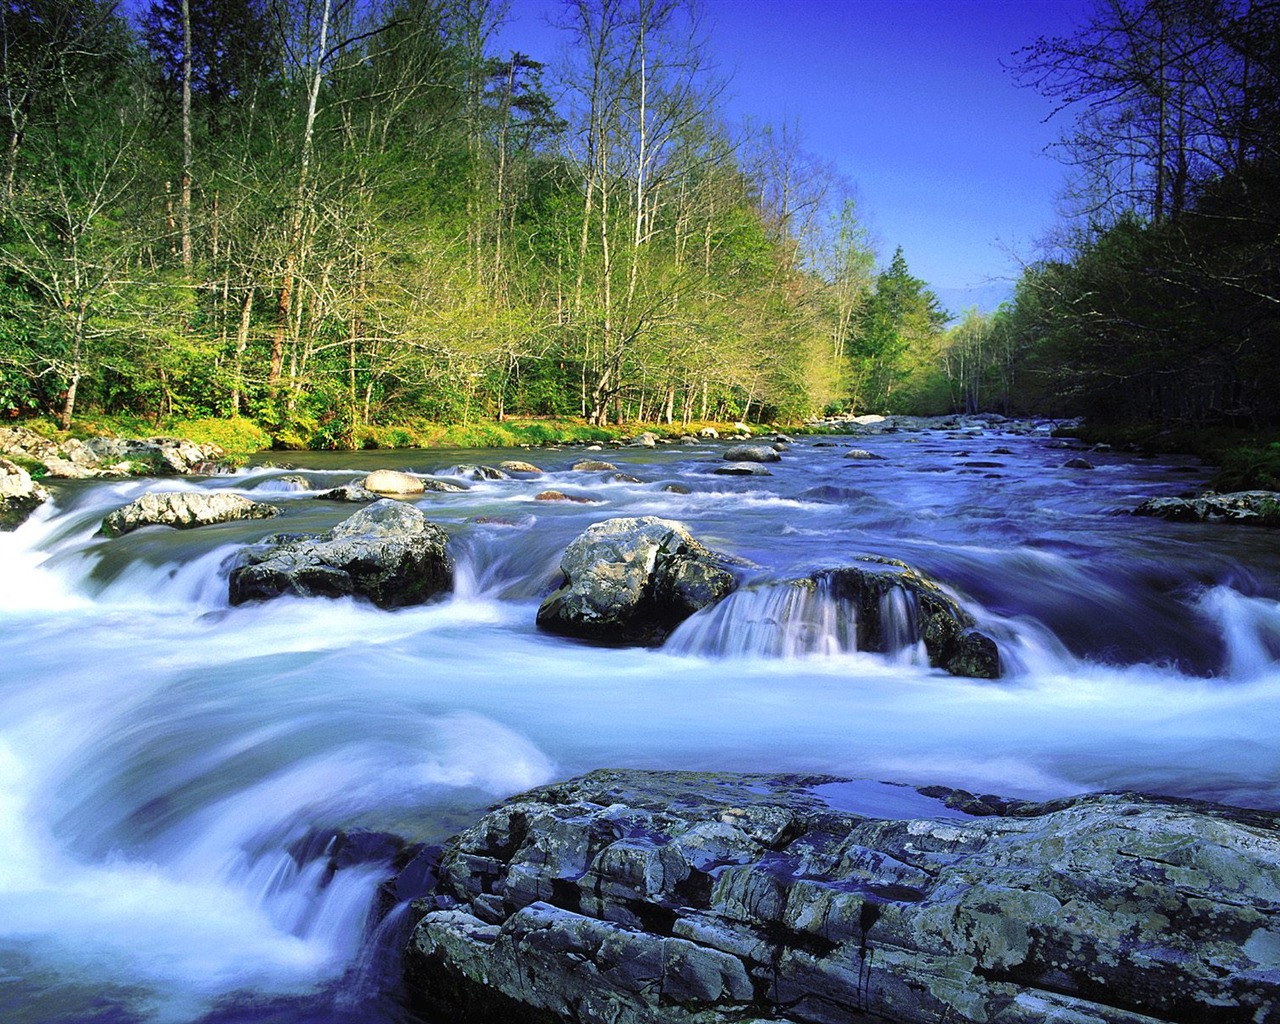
[1262, 508]
[516, 466]
[19, 495]
[184, 510]
[110, 456]
[593, 466]
[634, 897]
[355, 492]
[1077, 464]
[480, 473]
[863, 454]
[751, 453]
[742, 469]
[387, 552]
[947, 630]
[633, 581]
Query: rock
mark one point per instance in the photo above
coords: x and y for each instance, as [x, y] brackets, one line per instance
[751, 453]
[110, 456]
[633, 581]
[947, 630]
[742, 469]
[593, 466]
[355, 492]
[624, 478]
[868, 420]
[1261, 508]
[184, 510]
[515, 466]
[480, 473]
[862, 453]
[154, 455]
[646, 440]
[634, 897]
[444, 486]
[392, 482]
[561, 496]
[19, 495]
[709, 432]
[387, 552]
[877, 605]
[675, 489]
[1077, 464]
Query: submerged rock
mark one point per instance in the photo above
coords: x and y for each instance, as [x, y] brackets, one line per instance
[387, 552]
[863, 454]
[19, 495]
[633, 581]
[1262, 508]
[184, 510]
[593, 466]
[634, 897]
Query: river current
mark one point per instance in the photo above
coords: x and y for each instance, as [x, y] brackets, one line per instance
[164, 757]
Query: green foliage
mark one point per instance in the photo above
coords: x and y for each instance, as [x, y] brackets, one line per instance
[237, 436]
[1248, 469]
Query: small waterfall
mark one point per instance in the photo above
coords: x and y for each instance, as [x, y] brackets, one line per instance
[1250, 631]
[798, 619]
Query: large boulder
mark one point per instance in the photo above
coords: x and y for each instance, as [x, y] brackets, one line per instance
[19, 495]
[392, 482]
[387, 552]
[1261, 508]
[681, 898]
[751, 453]
[184, 510]
[633, 581]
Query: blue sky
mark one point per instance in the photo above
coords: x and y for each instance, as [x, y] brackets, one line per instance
[909, 100]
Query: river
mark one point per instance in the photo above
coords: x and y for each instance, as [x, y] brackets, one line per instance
[161, 752]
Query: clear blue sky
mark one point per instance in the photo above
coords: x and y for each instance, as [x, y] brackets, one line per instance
[909, 100]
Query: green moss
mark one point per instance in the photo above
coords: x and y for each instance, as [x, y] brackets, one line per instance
[34, 467]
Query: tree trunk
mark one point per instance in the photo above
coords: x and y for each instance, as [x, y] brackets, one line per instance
[242, 343]
[186, 135]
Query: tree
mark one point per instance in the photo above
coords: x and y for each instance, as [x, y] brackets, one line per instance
[900, 327]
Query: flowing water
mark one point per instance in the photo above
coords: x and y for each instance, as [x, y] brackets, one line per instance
[164, 757]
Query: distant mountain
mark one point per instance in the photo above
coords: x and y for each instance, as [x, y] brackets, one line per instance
[985, 296]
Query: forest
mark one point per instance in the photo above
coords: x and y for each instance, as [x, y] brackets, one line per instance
[337, 219]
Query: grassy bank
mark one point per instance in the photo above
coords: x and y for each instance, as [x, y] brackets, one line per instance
[1247, 459]
[240, 437]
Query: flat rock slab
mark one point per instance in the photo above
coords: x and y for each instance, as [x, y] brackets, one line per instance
[1261, 508]
[184, 510]
[635, 897]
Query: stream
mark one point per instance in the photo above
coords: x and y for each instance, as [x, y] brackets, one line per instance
[164, 757]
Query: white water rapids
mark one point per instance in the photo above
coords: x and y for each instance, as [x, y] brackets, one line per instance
[161, 752]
